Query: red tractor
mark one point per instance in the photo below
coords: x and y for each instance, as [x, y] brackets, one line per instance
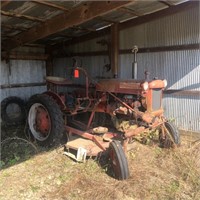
[76, 111]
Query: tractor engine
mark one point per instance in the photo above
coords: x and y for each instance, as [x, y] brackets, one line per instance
[136, 101]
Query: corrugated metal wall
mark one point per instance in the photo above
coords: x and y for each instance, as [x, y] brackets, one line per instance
[180, 68]
[22, 71]
[93, 65]
[177, 29]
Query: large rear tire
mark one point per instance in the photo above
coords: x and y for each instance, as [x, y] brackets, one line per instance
[118, 165]
[171, 136]
[45, 120]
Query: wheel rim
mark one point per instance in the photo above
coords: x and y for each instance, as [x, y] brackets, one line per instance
[39, 122]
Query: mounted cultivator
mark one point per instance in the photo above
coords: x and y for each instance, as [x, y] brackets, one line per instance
[130, 108]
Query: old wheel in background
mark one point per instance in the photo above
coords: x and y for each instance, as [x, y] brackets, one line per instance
[118, 165]
[171, 136]
[13, 111]
[45, 120]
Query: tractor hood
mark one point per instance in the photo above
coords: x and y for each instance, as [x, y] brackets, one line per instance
[128, 86]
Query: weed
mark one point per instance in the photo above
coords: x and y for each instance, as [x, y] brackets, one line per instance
[34, 188]
[155, 173]
[2, 163]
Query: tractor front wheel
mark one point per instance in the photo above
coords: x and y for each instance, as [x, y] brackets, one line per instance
[118, 165]
[169, 135]
[45, 121]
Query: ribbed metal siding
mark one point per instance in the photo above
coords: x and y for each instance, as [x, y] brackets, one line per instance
[182, 71]
[93, 65]
[184, 110]
[180, 68]
[22, 71]
[177, 29]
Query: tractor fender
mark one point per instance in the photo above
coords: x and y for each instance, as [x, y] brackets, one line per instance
[57, 99]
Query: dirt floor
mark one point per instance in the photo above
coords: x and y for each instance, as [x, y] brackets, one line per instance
[45, 174]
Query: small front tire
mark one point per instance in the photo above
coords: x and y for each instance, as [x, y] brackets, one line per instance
[170, 136]
[118, 165]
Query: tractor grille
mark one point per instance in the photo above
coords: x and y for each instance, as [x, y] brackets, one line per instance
[156, 100]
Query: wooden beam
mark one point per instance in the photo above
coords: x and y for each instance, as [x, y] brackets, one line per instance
[11, 27]
[52, 5]
[84, 29]
[32, 56]
[79, 15]
[5, 3]
[100, 18]
[115, 49]
[141, 50]
[130, 11]
[163, 48]
[21, 16]
[5, 36]
[167, 3]
[17, 85]
[24, 56]
[135, 22]
[182, 92]
[64, 35]
[35, 45]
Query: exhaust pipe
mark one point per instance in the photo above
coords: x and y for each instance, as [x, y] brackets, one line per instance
[134, 64]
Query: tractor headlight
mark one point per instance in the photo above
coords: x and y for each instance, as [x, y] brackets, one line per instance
[145, 85]
[165, 82]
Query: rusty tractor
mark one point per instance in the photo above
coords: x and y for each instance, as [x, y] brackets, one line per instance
[77, 110]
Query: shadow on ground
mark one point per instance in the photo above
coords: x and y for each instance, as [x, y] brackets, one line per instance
[17, 146]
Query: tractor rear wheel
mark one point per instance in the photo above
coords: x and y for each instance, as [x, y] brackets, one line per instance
[171, 136]
[45, 121]
[118, 165]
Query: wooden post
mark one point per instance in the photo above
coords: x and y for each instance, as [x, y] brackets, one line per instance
[114, 49]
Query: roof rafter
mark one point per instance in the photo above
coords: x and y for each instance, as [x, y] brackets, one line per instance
[83, 13]
[64, 35]
[130, 11]
[167, 3]
[18, 15]
[5, 3]
[134, 22]
[104, 19]
[83, 28]
[52, 5]
[11, 27]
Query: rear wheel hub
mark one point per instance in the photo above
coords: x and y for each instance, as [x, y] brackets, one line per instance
[39, 121]
[42, 120]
